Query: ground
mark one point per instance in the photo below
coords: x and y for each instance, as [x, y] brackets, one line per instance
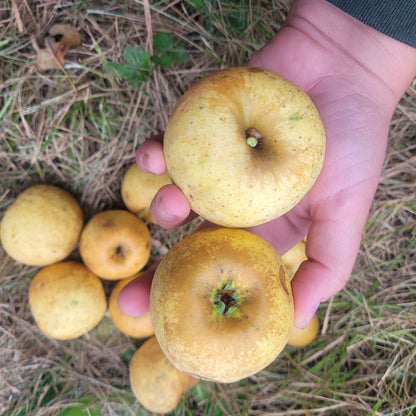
[78, 129]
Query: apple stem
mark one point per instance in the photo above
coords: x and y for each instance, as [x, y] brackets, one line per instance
[254, 138]
[252, 141]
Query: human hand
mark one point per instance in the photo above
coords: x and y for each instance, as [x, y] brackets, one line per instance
[355, 76]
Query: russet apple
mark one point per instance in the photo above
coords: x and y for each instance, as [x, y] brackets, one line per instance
[42, 226]
[133, 326]
[303, 337]
[292, 260]
[138, 189]
[244, 145]
[66, 300]
[155, 382]
[115, 244]
[294, 257]
[221, 304]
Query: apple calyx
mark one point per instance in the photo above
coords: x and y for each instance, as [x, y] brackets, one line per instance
[226, 300]
[119, 251]
[254, 138]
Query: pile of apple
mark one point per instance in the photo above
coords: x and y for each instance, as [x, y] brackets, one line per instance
[44, 225]
[244, 145]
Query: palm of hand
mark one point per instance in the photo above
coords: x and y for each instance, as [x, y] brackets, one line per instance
[334, 212]
[356, 118]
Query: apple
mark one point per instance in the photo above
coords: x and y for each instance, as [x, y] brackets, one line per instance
[42, 226]
[221, 304]
[66, 300]
[138, 189]
[115, 244]
[303, 337]
[133, 326]
[294, 257]
[244, 145]
[155, 382]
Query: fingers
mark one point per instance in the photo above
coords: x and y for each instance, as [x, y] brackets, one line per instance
[149, 157]
[332, 245]
[170, 208]
[133, 299]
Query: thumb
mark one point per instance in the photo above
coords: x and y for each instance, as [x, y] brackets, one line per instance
[332, 246]
[133, 299]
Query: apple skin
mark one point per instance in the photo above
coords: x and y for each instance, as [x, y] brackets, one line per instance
[115, 244]
[225, 180]
[198, 339]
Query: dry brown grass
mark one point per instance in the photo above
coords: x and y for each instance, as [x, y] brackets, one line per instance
[364, 362]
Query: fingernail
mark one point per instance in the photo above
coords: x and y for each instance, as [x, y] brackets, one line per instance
[163, 211]
[144, 159]
[310, 315]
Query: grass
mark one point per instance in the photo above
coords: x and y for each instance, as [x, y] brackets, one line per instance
[363, 362]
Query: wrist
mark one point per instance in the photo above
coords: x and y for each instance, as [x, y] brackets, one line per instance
[390, 63]
[319, 41]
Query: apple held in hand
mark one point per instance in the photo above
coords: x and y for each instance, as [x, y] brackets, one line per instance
[303, 337]
[138, 189]
[244, 145]
[133, 326]
[293, 258]
[221, 304]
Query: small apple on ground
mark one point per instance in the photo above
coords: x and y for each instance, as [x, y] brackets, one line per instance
[42, 226]
[244, 145]
[303, 337]
[221, 304]
[155, 382]
[138, 189]
[66, 300]
[115, 244]
[133, 326]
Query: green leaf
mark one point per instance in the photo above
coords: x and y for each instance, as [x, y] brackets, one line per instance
[168, 52]
[137, 57]
[80, 410]
[136, 67]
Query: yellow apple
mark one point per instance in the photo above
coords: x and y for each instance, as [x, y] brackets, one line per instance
[293, 258]
[221, 304]
[244, 145]
[155, 382]
[42, 226]
[66, 300]
[115, 244]
[138, 189]
[133, 326]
